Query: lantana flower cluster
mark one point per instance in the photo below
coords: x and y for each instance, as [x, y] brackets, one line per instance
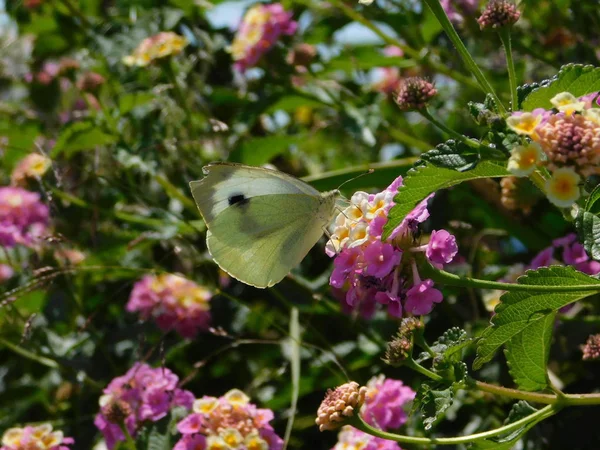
[40, 437]
[143, 394]
[156, 47]
[174, 302]
[260, 29]
[371, 271]
[566, 251]
[23, 217]
[381, 403]
[228, 422]
[565, 140]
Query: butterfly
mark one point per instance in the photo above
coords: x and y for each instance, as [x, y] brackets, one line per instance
[261, 222]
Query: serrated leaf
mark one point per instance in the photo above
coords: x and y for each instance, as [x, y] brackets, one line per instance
[528, 312]
[433, 399]
[526, 362]
[158, 441]
[591, 204]
[422, 181]
[588, 229]
[452, 155]
[81, 136]
[578, 79]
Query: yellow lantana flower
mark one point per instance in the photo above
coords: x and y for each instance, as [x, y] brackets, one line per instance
[563, 188]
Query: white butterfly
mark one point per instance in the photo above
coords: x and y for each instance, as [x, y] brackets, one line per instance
[261, 222]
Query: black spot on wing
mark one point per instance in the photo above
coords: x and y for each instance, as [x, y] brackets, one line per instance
[237, 199]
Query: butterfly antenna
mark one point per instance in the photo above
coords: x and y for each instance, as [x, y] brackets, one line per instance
[368, 172]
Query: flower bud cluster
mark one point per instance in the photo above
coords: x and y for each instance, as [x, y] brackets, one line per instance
[40, 437]
[23, 217]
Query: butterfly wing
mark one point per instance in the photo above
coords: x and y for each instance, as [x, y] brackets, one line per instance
[224, 183]
[261, 223]
[261, 241]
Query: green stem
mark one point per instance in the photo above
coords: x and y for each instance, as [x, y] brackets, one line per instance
[411, 363]
[504, 34]
[409, 51]
[450, 279]
[548, 399]
[29, 355]
[128, 439]
[472, 66]
[470, 142]
[537, 416]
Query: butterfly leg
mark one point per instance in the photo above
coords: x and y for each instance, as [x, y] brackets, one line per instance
[332, 238]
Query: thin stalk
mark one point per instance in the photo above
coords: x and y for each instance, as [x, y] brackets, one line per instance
[504, 34]
[181, 99]
[29, 355]
[450, 279]
[472, 66]
[470, 142]
[548, 399]
[411, 363]
[536, 417]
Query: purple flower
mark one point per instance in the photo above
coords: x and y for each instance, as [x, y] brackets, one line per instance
[232, 415]
[195, 442]
[385, 401]
[442, 248]
[373, 272]
[575, 254]
[421, 297]
[351, 438]
[6, 272]
[380, 259]
[142, 394]
[23, 217]
[543, 258]
[174, 302]
[259, 31]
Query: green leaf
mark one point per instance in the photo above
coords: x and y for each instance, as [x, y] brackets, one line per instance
[577, 79]
[81, 136]
[527, 362]
[293, 102]
[452, 155]
[433, 399]
[519, 411]
[524, 318]
[261, 150]
[129, 102]
[424, 180]
[588, 228]
[158, 441]
[383, 175]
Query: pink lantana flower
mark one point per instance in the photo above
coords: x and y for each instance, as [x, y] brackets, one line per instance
[174, 302]
[259, 31]
[23, 217]
[143, 394]
[375, 273]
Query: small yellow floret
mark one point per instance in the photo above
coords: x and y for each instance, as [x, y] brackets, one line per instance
[524, 123]
[524, 159]
[236, 397]
[567, 103]
[563, 188]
